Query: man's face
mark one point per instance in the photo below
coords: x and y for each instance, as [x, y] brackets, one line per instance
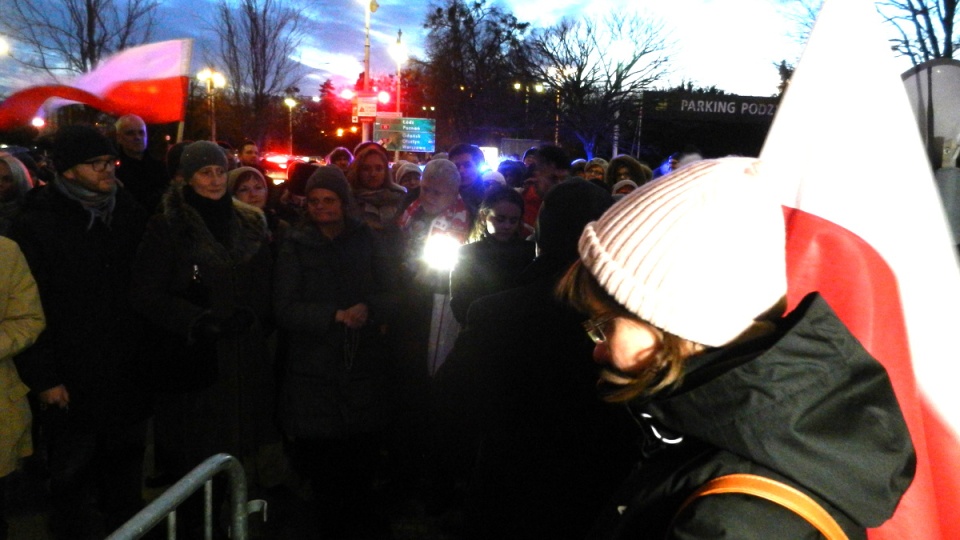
[546, 175]
[249, 155]
[132, 137]
[469, 173]
[436, 196]
[95, 174]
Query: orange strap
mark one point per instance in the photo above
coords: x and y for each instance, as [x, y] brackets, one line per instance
[765, 488]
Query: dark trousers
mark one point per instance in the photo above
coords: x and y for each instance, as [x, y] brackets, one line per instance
[95, 475]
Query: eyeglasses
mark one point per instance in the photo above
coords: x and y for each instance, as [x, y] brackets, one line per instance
[100, 165]
[594, 328]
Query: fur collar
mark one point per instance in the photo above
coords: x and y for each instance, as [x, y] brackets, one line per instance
[248, 230]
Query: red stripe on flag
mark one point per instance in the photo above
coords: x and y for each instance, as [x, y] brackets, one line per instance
[20, 108]
[156, 100]
[862, 288]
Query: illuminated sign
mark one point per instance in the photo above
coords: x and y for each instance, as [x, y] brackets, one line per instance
[406, 134]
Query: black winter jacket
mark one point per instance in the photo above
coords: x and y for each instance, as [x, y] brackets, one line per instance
[83, 276]
[807, 406]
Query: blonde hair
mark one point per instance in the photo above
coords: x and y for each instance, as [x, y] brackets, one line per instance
[662, 371]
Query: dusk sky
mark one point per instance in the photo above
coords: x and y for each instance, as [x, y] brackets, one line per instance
[731, 44]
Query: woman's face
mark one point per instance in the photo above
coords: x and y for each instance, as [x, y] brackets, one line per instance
[628, 346]
[324, 207]
[8, 188]
[252, 191]
[342, 161]
[623, 173]
[410, 180]
[210, 182]
[503, 220]
[373, 172]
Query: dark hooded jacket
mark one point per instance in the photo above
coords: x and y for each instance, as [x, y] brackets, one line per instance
[806, 405]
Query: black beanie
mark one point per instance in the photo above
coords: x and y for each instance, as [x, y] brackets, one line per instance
[566, 210]
[78, 143]
[331, 178]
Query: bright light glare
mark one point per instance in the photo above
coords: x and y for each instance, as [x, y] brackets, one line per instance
[5, 47]
[289, 102]
[37, 122]
[440, 252]
[347, 93]
[384, 97]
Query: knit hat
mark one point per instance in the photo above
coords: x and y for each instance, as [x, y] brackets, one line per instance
[297, 175]
[623, 184]
[234, 174]
[78, 143]
[405, 168]
[198, 155]
[699, 253]
[330, 177]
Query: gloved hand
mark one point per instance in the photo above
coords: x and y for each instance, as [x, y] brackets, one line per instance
[211, 327]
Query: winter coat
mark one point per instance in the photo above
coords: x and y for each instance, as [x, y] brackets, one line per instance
[807, 406]
[485, 267]
[520, 379]
[334, 376]
[21, 321]
[83, 276]
[215, 395]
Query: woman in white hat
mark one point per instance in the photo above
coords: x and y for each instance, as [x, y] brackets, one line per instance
[684, 283]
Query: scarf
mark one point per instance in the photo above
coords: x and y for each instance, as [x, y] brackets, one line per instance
[98, 205]
[454, 221]
[216, 214]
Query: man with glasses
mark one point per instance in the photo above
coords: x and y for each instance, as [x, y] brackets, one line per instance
[142, 174]
[79, 234]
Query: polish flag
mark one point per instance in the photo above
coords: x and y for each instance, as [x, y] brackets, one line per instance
[866, 228]
[149, 81]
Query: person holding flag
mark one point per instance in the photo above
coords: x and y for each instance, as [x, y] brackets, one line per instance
[719, 381]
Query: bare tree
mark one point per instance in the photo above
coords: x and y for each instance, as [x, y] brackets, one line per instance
[257, 42]
[599, 69]
[74, 35]
[922, 29]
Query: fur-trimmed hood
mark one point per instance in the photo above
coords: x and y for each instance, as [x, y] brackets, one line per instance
[248, 230]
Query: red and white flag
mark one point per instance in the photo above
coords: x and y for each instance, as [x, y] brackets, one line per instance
[149, 81]
[866, 228]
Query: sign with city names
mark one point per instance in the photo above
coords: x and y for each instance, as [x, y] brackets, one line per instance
[406, 134]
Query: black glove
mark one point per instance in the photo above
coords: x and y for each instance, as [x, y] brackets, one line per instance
[211, 327]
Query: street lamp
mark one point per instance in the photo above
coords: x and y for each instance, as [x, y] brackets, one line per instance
[538, 88]
[370, 6]
[290, 103]
[399, 53]
[213, 80]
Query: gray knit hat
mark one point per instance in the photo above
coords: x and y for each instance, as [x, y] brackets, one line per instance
[234, 174]
[699, 253]
[75, 144]
[198, 155]
[330, 177]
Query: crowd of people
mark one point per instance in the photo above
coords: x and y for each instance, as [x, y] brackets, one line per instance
[368, 334]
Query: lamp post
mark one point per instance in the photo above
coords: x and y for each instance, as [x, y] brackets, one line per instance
[399, 54]
[369, 7]
[290, 103]
[213, 80]
[538, 88]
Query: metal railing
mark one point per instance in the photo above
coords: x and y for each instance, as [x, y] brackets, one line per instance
[166, 504]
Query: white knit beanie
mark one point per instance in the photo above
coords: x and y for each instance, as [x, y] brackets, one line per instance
[699, 253]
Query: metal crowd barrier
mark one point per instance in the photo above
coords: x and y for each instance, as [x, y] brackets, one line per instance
[166, 504]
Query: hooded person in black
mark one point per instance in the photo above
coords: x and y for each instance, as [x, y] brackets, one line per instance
[546, 452]
[684, 281]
